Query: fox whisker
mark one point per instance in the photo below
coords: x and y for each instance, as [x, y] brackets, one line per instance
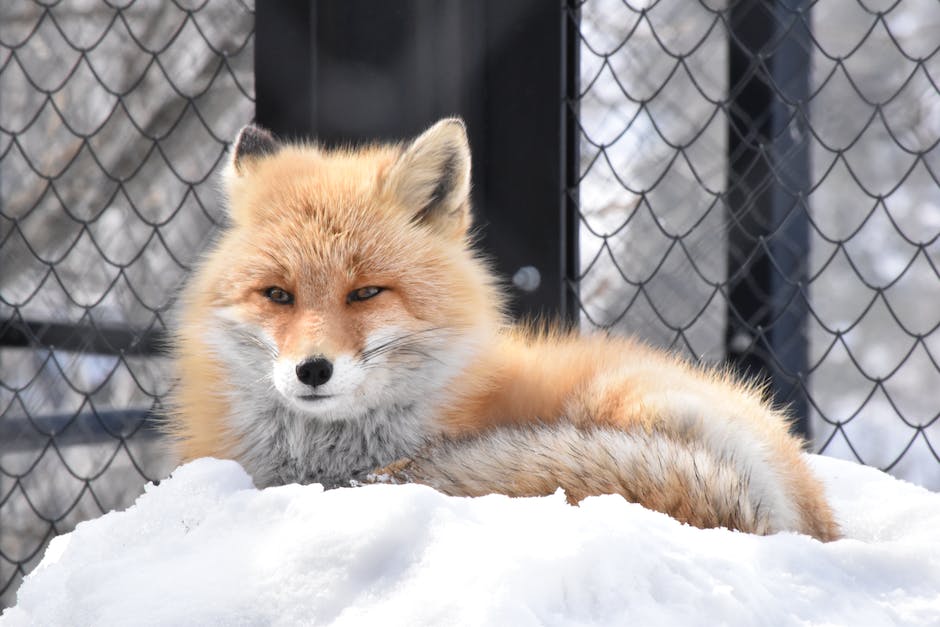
[398, 343]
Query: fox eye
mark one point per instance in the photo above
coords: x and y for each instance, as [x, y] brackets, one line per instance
[363, 293]
[279, 296]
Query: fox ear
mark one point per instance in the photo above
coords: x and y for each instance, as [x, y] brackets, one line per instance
[432, 177]
[252, 143]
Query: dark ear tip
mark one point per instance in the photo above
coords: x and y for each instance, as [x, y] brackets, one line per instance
[254, 141]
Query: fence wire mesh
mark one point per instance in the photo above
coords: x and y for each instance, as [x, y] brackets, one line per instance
[113, 118]
[659, 110]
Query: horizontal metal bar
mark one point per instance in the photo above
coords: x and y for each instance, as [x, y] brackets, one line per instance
[84, 338]
[23, 433]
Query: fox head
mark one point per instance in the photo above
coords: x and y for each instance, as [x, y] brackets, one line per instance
[345, 280]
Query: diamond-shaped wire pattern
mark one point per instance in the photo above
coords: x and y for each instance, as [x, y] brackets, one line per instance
[113, 119]
[114, 116]
[657, 112]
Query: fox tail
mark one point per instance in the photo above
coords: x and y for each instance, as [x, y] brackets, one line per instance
[677, 476]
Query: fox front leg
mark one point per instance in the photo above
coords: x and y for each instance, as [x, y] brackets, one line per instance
[397, 472]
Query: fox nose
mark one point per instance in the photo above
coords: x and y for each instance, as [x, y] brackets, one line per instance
[314, 372]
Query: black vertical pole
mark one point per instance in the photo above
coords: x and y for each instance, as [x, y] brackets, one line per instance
[524, 154]
[285, 100]
[768, 179]
[571, 154]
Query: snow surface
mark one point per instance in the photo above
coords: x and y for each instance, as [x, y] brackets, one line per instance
[207, 548]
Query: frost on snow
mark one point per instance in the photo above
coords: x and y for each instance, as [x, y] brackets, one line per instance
[206, 547]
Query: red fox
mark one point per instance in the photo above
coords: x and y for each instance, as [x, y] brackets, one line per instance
[343, 325]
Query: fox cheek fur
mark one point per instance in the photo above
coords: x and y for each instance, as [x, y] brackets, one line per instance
[343, 322]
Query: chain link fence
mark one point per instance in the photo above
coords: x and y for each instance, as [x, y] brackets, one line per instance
[115, 115]
[664, 186]
[113, 118]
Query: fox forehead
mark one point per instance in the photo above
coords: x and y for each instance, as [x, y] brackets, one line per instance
[309, 257]
[334, 190]
[308, 212]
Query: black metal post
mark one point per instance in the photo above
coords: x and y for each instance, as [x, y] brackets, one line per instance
[361, 70]
[571, 153]
[284, 67]
[768, 178]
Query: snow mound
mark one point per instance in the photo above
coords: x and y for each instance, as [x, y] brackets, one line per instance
[206, 547]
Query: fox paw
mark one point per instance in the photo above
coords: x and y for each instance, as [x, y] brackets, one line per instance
[396, 472]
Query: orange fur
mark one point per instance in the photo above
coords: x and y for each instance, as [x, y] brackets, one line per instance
[322, 224]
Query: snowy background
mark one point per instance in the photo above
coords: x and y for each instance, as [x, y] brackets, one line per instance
[205, 547]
